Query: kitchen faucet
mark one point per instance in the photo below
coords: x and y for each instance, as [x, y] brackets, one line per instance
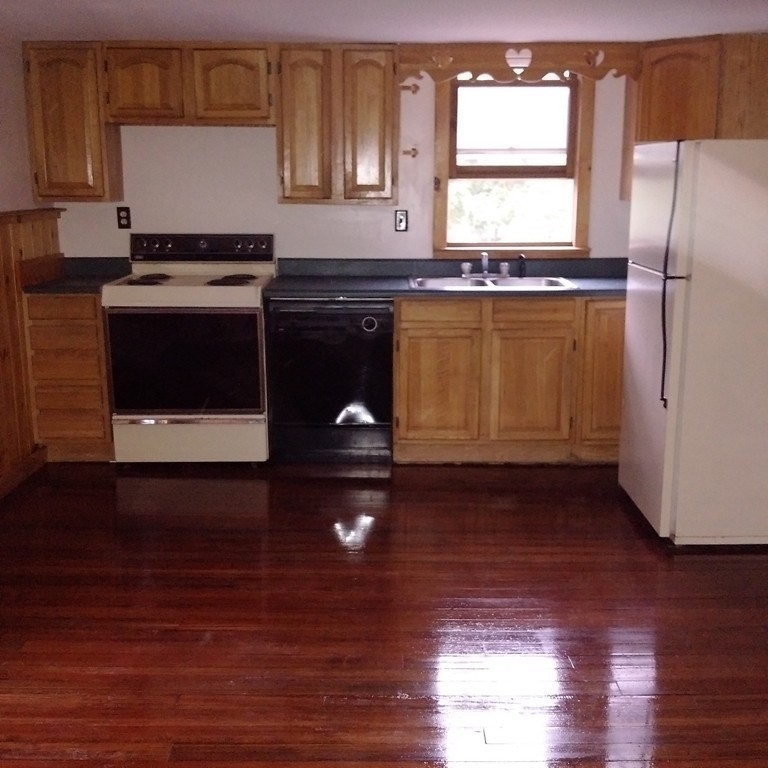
[484, 261]
[521, 269]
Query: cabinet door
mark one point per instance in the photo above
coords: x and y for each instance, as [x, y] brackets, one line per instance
[743, 90]
[530, 383]
[678, 91]
[601, 379]
[368, 124]
[144, 84]
[68, 143]
[231, 84]
[305, 124]
[438, 384]
[68, 376]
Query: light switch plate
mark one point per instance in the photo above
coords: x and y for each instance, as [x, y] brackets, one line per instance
[401, 221]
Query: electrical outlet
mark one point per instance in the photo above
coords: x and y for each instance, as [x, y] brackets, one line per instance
[123, 217]
[401, 221]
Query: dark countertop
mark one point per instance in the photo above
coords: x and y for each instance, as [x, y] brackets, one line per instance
[379, 278]
[365, 278]
[83, 275]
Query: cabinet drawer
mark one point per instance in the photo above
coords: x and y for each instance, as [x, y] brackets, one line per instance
[48, 306]
[463, 312]
[538, 311]
[71, 425]
[81, 397]
[68, 366]
[63, 337]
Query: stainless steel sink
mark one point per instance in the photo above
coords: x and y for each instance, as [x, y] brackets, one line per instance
[492, 283]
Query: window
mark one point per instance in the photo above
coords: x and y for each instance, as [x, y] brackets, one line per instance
[513, 165]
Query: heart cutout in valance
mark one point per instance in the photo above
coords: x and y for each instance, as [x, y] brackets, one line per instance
[518, 61]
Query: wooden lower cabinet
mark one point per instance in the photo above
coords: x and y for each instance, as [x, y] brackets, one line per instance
[507, 380]
[439, 349]
[598, 411]
[67, 367]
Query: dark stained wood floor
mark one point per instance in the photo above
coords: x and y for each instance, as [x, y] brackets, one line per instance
[432, 616]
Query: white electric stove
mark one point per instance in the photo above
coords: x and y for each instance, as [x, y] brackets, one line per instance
[185, 336]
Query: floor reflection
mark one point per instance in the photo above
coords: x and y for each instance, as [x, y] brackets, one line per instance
[633, 665]
[491, 699]
[353, 536]
[146, 502]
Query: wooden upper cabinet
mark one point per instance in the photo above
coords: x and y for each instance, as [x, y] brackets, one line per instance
[678, 90]
[744, 88]
[74, 155]
[205, 84]
[144, 83]
[337, 123]
[706, 88]
[369, 90]
[232, 84]
[305, 123]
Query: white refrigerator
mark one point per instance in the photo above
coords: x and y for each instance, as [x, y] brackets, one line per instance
[694, 439]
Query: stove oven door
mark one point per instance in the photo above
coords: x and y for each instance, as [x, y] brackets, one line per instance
[187, 384]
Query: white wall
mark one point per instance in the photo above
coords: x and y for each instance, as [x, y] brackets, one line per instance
[211, 179]
[608, 216]
[15, 182]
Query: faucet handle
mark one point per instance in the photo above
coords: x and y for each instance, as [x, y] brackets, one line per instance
[504, 269]
[466, 268]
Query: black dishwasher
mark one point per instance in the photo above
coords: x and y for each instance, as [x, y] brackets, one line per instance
[329, 379]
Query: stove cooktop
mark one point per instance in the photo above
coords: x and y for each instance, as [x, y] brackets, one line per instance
[194, 270]
[185, 290]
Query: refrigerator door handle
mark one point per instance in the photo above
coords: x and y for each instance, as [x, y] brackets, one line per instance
[664, 330]
[658, 272]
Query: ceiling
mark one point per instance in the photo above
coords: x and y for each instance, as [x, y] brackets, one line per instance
[377, 20]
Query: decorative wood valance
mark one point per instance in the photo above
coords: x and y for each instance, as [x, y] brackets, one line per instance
[509, 62]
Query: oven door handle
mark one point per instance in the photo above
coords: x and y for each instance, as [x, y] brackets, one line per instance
[163, 420]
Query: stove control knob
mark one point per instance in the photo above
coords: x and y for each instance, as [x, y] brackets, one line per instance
[154, 244]
[262, 245]
[168, 244]
[202, 244]
[238, 244]
[249, 244]
[141, 243]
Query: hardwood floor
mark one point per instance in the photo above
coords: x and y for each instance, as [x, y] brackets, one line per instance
[316, 617]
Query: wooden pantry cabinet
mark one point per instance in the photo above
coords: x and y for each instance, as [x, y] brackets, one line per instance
[74, 154]
[189, 83]
[704, 88]
[337, 121]
[68, 376]
[29, 252]
[507, 380]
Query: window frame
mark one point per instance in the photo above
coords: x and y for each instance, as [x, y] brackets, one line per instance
[522, 171]
[581, 125]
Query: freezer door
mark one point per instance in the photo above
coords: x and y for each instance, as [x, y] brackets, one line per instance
[643, 449]
[653, 197]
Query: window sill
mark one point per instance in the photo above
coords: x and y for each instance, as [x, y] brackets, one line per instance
[536, 252]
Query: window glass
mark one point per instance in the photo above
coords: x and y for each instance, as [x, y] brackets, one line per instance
[518, 211]
[512, 126]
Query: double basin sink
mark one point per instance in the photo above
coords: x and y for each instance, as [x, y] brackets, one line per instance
[492, 283]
